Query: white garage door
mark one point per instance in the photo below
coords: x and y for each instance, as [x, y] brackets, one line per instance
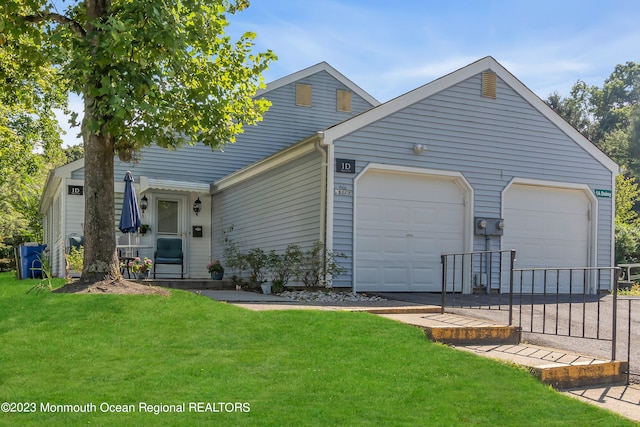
[548, 227]
[404, 222]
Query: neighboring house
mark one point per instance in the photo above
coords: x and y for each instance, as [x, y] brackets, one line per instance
[393, 186]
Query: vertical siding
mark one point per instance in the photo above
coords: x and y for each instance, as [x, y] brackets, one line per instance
[272, 210]
[489, 141]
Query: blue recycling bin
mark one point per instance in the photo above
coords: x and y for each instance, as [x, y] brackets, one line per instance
[30, 264]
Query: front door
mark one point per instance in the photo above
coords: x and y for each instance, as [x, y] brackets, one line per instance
[170, 220]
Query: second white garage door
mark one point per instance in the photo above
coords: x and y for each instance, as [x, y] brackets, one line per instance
[548, 227]
[404, 222]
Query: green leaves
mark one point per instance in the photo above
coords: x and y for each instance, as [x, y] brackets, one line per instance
[156, 71]
[150, 71]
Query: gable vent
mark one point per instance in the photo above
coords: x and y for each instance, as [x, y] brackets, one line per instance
[489, 84]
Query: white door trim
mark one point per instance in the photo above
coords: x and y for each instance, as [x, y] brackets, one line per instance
[183, 221]
[457, 177]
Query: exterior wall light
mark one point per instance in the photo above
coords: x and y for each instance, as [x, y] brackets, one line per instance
[419, 148]
[197, 206]
[144, 203]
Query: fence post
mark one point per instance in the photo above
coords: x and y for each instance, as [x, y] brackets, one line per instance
[443, 261]
[511, 265]
[614, 310]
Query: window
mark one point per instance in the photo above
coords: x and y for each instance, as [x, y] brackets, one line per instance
[167, 217]
[343, 98]
[303, 95]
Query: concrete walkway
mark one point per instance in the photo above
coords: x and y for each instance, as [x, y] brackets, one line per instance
[623, 399]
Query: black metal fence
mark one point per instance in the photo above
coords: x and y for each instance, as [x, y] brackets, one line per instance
[580, 303]
[568, 302]
[478, 279]
[628, 326]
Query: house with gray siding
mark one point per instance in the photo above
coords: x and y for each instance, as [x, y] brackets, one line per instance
[302, 103]
[396, 185]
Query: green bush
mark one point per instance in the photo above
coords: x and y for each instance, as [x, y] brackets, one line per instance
[75, 258]
[627, 243]
[318, 266]
[283, 266]
[234, 259]
[257, 262]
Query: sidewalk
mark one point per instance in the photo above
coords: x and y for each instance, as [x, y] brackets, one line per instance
[623, 399]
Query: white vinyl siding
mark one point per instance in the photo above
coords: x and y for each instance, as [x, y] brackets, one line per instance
[272, 210]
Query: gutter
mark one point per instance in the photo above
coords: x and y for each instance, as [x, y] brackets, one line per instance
[325, 147]
[324, 151]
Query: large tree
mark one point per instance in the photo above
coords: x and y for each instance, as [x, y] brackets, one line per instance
[609, 115]
[29, 146]
[150, 72]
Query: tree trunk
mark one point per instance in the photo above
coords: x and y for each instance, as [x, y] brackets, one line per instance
[100, 258]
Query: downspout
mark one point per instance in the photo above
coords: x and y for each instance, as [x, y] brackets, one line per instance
[324, 232]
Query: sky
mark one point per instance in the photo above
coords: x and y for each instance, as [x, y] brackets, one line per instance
[391, 47]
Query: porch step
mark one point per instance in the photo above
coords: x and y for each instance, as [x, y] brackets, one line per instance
[453, 329]
[558, 368]
[191, 283]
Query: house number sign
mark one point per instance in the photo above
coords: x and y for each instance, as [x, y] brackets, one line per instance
[345, 166]
[75, 190]
[342, 191]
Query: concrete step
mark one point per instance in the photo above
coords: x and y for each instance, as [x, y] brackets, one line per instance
[453, 329]
[558, 368]
[191, 283]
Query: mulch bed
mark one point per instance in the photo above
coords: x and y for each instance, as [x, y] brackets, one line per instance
[112, 286]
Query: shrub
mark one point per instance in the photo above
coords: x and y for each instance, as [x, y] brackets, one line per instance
[627, 243]
[75, 258]
[318, 266]
[283, 266]
[235, 260]
[257, 261]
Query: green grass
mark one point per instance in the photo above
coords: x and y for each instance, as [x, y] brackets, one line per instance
[293, 368]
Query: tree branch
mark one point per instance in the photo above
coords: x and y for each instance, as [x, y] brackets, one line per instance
[61, 19]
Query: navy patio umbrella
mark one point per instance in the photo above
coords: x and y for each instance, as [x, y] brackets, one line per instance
[130, 215]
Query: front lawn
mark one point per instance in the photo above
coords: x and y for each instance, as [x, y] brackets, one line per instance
[228, 366]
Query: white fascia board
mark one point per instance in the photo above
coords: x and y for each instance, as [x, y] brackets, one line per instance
[423, 92]
[52, 184]
[323, 66]
[286, 155]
